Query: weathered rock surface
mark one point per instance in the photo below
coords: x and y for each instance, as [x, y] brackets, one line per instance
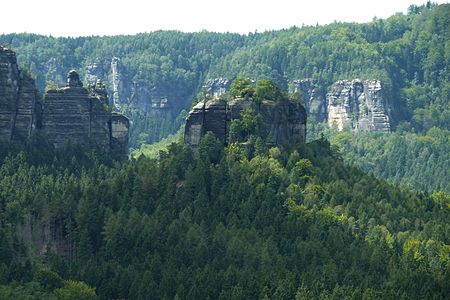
[216, 87]
[284, 121]
[94, 72]
[17, 99]
[79, 115]
[355, 104]
[313, 97]
[124, 90]
[72, 114]
[358, 105]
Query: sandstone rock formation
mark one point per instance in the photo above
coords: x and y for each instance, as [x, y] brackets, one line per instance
[216, 87]
[94, 72]
[313, 97]
[124, 90]
[284, 121]
[80, 115]
[358, 105]
[72, 114]
[17, 99]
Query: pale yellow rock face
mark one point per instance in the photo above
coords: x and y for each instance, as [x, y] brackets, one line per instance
[358, 105]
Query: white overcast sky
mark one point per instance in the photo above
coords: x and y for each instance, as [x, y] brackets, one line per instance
[98, 17]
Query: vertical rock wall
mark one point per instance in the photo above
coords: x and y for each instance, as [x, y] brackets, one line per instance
[313, 97]
[358, 105]
[78, 115]
[284, 121]
[17, 99]
[354, 104]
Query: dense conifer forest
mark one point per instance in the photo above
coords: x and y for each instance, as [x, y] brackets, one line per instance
[345, 216]
[235, 222]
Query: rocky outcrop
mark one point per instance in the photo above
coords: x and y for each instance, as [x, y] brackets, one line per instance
[118, 84]
[94, 72]
[216, 87]
[358, 105]
[17, 99]
[126, 91]
[72, 114]
[313, 97]
[284, 121]
[81, 115]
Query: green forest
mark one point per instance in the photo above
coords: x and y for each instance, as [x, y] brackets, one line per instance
[347, 215]
[409, 53]
[223, 223]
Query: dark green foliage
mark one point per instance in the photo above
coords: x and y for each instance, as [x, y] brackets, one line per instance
[420, 161]
[249, 126]
[221, 223]
[268, 90]
[408, 53]
[239, 223]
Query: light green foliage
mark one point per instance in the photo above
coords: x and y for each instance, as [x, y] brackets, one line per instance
[154, 150]
[420, 161]
[75, 290]
[240, 87]
[268, 90]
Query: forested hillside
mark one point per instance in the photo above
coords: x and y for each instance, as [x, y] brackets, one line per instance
[222, 223]
[244, 220]
[408, 53]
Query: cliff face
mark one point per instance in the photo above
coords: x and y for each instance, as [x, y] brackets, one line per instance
[80, 115]
[17, 99]
[72, 114]
[217, 86]
[314, 98]
[358, 105]
[284, 121]
[124, 90]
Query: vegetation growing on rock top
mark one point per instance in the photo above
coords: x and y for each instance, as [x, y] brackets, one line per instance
[258, 91]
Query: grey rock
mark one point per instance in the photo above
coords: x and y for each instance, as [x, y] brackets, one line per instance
[80, 115]
[72, 114]
[216, 87]
[358, 105]
[117, 84]
[285, 121]
[17, 99]
[94, 72]
[313, 97]
[73, 80]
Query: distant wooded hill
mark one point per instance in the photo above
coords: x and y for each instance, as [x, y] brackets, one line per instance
[163, 71]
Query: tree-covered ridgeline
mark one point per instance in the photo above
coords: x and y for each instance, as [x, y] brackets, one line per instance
[237, 222]
[408, 53]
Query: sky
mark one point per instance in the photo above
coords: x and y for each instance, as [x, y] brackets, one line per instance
[113, 17]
